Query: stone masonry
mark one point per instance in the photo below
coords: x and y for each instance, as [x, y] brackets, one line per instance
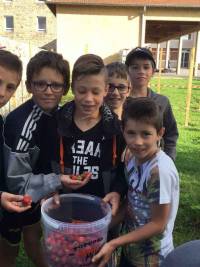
[25, 14]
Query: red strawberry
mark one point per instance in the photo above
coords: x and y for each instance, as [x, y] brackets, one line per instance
[26, 200]
[73, 177]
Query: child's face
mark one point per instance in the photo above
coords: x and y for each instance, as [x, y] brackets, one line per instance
[142, 139]
[89, 92]
[47, 88]
[9, 80]
[118, 90]
[140, 71]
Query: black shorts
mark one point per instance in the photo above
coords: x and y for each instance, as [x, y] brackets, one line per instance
[12, 224]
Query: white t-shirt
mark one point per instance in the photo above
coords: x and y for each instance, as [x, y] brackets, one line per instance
[155, 181]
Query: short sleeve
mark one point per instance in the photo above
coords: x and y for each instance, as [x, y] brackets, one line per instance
[159, 186]
[153, 186]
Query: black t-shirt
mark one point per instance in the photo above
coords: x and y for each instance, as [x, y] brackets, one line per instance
[86, 156]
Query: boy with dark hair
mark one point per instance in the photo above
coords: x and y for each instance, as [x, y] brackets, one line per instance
[118, 86]
[10, 77]
[141, 67]
[153, 191]
[90, 133]
[31, 144]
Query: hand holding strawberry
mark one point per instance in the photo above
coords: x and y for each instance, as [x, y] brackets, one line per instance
[13, 203]
[81, 177]
[75, 181]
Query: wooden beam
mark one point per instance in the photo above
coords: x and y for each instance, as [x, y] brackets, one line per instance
[189, 90]
[160, 31]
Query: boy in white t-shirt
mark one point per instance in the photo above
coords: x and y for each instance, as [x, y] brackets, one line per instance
[153, 191]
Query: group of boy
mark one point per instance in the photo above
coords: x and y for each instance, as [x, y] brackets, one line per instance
[44, 144]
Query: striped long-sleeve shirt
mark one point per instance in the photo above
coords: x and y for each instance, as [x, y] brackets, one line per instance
[31, 145]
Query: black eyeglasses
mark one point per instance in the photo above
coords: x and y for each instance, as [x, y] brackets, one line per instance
[42, 86]
[122, 88]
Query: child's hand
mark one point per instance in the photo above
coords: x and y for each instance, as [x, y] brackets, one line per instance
[104, 255]
[56, 200]
[126, 155]
[75, 181]
[14, 203]
[113, 199]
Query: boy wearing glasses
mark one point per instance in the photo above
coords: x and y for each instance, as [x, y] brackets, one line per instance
[118, 86]
[31, 144]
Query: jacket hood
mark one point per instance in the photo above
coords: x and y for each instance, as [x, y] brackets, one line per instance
[111, 123]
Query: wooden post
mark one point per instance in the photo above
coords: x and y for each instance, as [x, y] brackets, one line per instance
[160, 70]
[86, 48]
[189, 89]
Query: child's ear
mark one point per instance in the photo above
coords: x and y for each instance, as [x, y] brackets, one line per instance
[106, 89]
[28, 88]
[161, 132]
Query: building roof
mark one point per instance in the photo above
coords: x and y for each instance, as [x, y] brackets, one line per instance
[156, 31]
[153, 3]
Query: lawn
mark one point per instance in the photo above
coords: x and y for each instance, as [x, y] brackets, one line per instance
[187, 225]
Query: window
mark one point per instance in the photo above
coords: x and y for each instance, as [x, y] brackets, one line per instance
[41, 24]
[187, 36]
[9, 23]
[185, 58]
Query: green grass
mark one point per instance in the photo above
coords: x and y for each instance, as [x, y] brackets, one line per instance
[187, 226]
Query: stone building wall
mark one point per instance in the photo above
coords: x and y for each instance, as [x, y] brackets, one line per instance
[25, 13]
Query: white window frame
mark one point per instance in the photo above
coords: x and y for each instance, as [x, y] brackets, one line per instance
[9, 29]
[38, 26]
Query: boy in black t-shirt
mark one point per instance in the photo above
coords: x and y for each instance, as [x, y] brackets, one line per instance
[90, 133]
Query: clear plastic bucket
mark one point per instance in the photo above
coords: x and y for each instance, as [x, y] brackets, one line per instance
[75, 230]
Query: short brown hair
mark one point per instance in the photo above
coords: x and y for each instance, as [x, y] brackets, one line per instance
[11, 62]
[88, 64]
[51, 60]
[142, 109]
[117, 69]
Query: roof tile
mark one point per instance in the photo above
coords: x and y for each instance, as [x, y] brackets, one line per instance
[180, 3]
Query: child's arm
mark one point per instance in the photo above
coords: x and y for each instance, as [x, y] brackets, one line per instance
[160, 214]
[19, 164]
[21, 180]
[171, 132]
